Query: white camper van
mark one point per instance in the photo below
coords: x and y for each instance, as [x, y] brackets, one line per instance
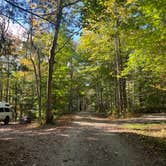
[5, 112]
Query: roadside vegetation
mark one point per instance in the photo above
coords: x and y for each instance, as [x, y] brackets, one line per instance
[68, 56]
[153, 141]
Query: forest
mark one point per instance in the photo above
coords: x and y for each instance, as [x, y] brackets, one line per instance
[67, 56]
[90, 75]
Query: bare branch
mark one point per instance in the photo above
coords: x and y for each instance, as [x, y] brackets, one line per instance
[14, 20]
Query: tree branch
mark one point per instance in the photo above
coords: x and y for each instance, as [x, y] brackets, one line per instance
[28, 11]
[67, 41]
[71, 3]
[13, 20]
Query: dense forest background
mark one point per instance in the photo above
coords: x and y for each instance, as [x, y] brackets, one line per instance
[59, 57]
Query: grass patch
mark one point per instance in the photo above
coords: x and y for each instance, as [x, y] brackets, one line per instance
[151, 135]
[142, 126]
[154, 143]
[154, 130]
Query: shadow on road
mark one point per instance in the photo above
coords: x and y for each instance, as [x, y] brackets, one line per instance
[86, 141]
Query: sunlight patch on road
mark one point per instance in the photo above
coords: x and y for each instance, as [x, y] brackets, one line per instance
[6, 139]
[103, 126]
[91, 139]
[64, 135]
[5, 129]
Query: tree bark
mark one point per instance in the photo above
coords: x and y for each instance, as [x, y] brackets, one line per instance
[70, 99]
[39, 84]
[8, 75]
[49, 116]
[36, 67]
[120, 83]
[1, 82]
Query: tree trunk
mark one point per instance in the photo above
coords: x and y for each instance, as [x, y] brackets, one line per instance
[120, 83]
[49, 116]
[70, 99]
[15, 99]
[1, 83]
[39, 84]
[36, 67]
[8, 75]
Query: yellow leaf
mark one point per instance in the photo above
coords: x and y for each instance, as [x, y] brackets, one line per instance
[34, 22]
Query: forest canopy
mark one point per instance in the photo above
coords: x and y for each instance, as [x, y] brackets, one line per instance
[64, 56]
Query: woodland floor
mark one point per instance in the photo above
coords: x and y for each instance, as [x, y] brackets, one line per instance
[86, 140]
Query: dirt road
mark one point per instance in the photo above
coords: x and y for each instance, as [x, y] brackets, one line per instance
[86, 141]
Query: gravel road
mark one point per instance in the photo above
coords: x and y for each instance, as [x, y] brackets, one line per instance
[86, 141]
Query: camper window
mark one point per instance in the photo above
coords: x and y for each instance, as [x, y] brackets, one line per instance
[7, 110]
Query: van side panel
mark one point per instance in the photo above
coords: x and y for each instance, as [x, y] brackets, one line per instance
[4, 112]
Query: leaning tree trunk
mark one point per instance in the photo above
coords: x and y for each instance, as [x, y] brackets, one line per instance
[49, 116]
